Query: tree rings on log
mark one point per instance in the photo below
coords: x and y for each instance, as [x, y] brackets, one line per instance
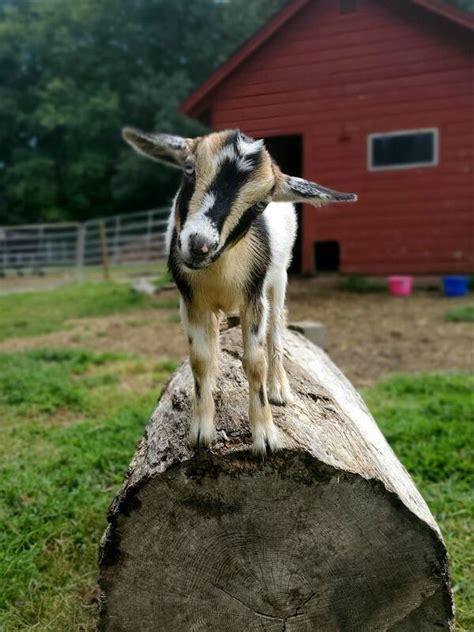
[329, 534]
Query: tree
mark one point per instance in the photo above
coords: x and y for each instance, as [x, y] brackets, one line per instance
[466, 5]
[72, 74]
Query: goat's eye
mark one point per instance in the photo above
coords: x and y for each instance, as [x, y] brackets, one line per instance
[189, 169]
[261, 206]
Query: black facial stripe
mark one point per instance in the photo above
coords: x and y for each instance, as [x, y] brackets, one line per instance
[225, 187]
[176, 272]
[261, 263]
[228, 182]
[242, 226]
[184, 198]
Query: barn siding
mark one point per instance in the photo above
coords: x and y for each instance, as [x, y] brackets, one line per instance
[379, 69]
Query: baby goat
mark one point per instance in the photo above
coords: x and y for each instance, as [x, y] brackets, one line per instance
[230, 236]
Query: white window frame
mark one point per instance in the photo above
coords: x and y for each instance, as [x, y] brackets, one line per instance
[404, 132]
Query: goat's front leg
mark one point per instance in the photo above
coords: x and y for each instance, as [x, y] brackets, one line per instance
[203, 337]
[254, 324]
[279, 389]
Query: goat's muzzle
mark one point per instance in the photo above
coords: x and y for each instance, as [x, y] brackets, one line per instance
[200, 251]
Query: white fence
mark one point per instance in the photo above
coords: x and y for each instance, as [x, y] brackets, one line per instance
[108, 241]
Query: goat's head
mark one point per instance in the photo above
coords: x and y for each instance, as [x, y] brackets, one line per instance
[228, 180]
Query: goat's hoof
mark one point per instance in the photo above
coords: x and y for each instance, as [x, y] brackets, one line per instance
[265, 442]
[202, 435]
[280, 396]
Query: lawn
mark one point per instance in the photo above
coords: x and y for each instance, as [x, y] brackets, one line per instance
[36, 313]
[362, 285]
[428, 420]
[464, 314]
[69, 422]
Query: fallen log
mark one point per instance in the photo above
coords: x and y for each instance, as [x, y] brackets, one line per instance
[329, 534]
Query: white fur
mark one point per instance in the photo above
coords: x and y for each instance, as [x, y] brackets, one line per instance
[208, 202]
[197, 223]
[171, 225]
[249, 147]
[244, 164]
[281, 223]
[228, 152]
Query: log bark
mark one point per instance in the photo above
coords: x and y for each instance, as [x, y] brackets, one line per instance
[329, 534]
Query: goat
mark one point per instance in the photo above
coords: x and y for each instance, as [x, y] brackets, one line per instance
[230, 236]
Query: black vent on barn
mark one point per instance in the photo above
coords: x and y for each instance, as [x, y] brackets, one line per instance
[327, 256]
[347, 6]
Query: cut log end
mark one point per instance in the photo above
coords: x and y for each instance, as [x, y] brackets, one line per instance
[219, 540]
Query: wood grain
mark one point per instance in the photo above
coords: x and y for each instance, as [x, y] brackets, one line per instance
[328, 534]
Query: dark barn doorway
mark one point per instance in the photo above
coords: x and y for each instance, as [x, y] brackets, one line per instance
[288, 153]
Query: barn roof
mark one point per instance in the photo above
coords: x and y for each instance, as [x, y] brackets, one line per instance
[196, 102]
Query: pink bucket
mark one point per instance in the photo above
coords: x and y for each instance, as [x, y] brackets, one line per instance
[400, 285]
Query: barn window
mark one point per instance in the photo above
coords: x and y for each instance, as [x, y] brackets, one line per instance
[347, 6]
[403, 150]
[327, 256]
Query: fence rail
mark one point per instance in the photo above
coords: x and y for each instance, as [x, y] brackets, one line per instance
[115, 240]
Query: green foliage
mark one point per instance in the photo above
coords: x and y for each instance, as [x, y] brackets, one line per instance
[42, 312]
[73, 73]
[466, 5]
[428, 420]
[362, 285]
[464, 314]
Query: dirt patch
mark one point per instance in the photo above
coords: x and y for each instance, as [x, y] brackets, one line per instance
[374, 335]
[151, 333]
[368, 336]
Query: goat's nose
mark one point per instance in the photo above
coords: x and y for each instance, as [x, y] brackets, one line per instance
[200, 247]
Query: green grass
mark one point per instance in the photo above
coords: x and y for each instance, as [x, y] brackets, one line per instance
[163, 280]
[429, 421]
[68, 430]
[36, 313]
[362, 285]
[464, 314]
[69, 423]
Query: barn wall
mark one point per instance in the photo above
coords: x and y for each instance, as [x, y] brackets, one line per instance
[337, 78]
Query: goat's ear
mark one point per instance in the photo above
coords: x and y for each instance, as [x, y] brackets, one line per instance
[171, 150]
[292, 189]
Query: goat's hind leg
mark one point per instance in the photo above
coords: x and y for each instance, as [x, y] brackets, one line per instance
[278, 388]
[203, 338]
[264, 432]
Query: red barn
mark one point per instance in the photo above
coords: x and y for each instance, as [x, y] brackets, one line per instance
[370, 96]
